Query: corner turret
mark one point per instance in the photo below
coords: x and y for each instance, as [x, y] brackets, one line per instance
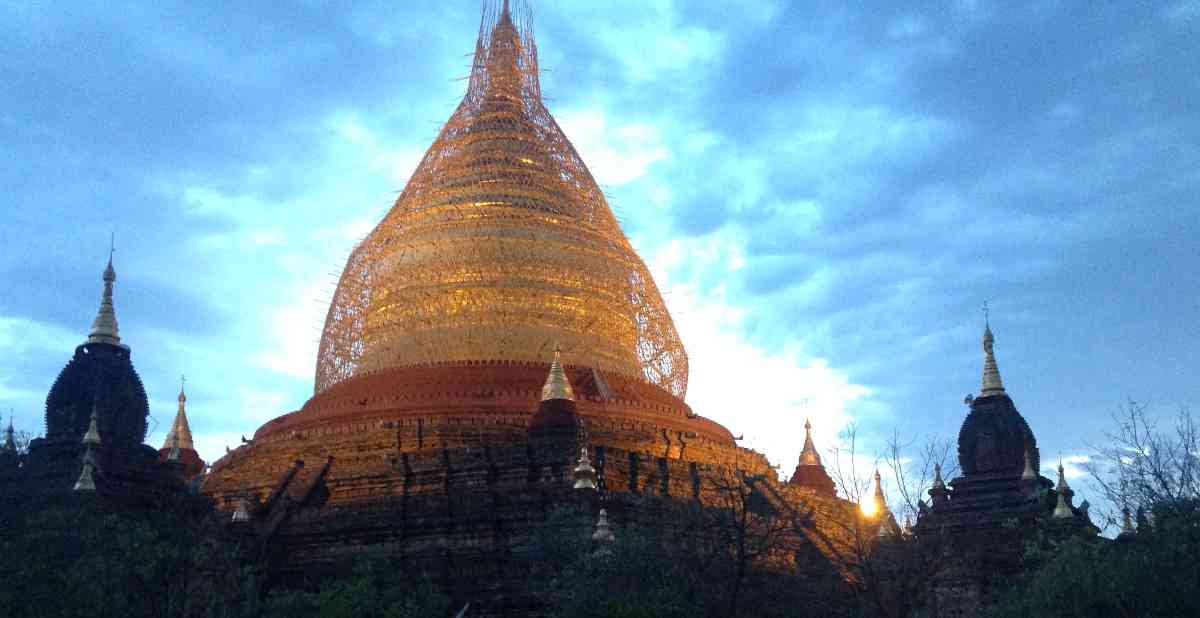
[809, 473]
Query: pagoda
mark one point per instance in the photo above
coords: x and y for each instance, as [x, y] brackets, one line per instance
[493, 344]
[96, 415]
[999, 502]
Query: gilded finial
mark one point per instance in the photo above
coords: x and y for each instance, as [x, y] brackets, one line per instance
[180, 434]
[992, 384]
[557, 385]
[104, 327]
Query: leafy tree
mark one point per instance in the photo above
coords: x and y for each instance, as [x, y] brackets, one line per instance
[79, 558]
[1150, 575]
[376, 589]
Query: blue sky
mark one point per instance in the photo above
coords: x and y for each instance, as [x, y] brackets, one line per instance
[825, 193]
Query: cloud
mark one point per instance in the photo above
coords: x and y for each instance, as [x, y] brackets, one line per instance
[615, 155]
[764, 394]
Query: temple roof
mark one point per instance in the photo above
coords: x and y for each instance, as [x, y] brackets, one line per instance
[500, 246]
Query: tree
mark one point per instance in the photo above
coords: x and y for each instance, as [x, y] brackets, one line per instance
[375, 589]
[1150, 575]
[81, 558]
[1142, 467]
[891, 569]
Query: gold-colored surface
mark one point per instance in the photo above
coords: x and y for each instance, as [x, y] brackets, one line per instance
[500, 246]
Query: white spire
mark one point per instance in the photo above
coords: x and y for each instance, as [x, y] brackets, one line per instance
[1062, 486]
[938, 483]
[1063, 509]
[104, 327]
[85, 483]
[585, 474]
[603, 536]
[92, 437]
[242, 514]
[1029, 473]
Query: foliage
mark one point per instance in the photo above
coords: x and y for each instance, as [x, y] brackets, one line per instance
[685, 561]
[889, 576]
[1150, 575]
[80, 559]
[376, 589]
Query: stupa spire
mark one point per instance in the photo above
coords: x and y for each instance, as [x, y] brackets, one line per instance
[809, 455]
[557, 385]
[992, 384]
[180, 435]
[104, 327]
[1062, 510]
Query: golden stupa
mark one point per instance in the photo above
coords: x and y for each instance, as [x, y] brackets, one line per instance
[501, 247]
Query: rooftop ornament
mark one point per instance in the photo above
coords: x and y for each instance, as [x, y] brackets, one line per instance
[557, 385]
[603, 536]
[809, 455]
[992, 384]
[585, 474]
[104, 327]
[242, 513]
[91, 439]
[1029, 474]
[876, 504]
[1063, 509]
